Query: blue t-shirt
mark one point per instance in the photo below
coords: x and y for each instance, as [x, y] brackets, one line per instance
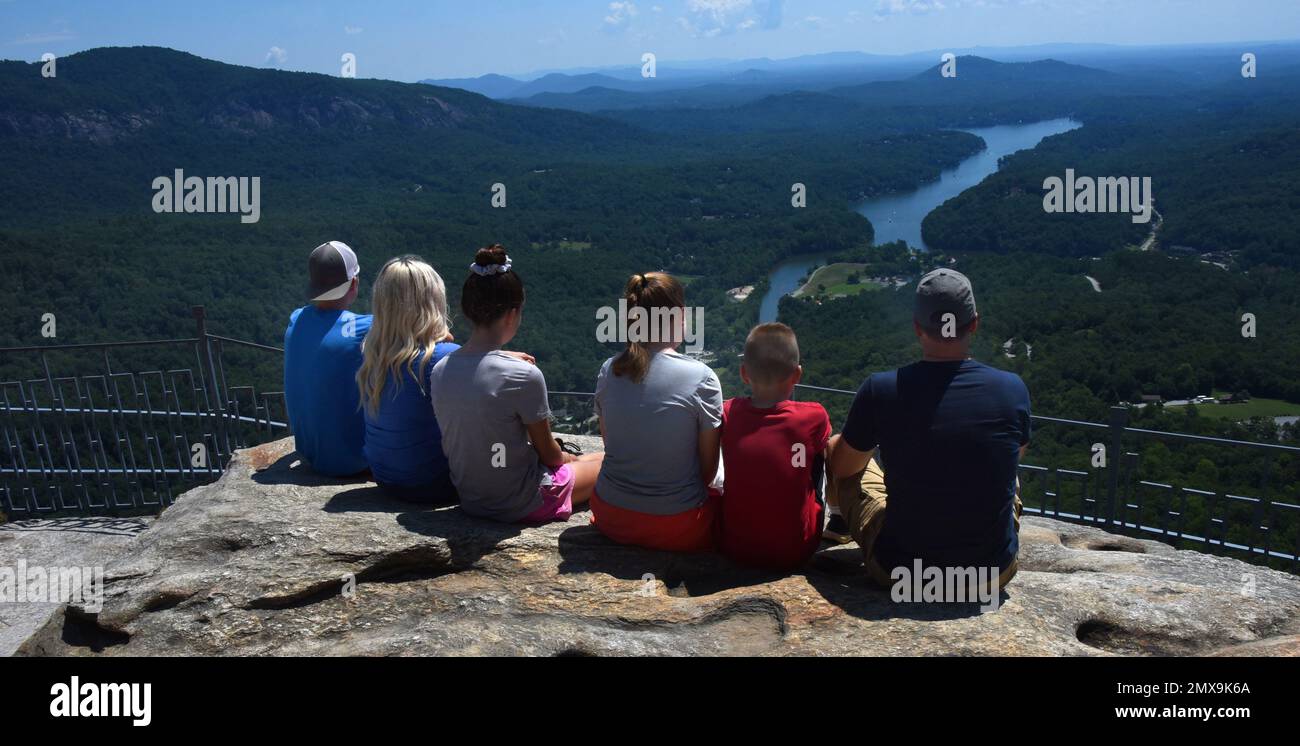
[403, 441]
[949, 437]
[322, 354]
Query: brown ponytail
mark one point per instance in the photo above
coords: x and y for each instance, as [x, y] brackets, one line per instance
[649, 291]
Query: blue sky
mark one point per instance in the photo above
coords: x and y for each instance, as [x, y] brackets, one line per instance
[410, 40]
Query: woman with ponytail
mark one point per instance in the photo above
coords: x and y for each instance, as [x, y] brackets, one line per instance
[494, 414]
[408, 335]
[661, 417]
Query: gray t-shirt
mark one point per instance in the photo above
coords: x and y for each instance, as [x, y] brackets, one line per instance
[652, 455]
[482, 403]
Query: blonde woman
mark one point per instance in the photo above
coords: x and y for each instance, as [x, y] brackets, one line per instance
[409, 334]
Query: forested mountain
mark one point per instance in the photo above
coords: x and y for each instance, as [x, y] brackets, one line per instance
[983, 92]
[392, 168]
[1223, 161]
[701, 191]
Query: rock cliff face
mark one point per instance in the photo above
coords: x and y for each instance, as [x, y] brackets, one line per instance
[273, 560]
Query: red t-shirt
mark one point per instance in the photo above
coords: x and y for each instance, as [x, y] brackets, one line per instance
[771, 515]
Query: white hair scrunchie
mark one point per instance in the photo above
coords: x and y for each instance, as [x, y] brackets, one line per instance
[491, 269]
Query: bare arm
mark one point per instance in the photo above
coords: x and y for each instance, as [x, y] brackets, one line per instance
[709, 454]
[544, 443]
[844, 459]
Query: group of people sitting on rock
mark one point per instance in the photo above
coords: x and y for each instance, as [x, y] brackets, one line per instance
[924, 469]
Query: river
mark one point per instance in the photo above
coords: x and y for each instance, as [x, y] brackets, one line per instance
[899, 216]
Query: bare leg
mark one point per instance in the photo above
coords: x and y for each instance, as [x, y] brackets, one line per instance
[585, 471]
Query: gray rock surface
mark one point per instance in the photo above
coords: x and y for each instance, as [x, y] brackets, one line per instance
[59, 542]
[263, 563]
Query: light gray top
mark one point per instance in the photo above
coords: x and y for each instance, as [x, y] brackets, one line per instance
[483, 403]
[652, 456]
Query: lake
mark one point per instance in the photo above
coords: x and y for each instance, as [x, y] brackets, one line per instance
[899, 216]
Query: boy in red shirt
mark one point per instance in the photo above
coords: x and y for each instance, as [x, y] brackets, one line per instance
[773, 453]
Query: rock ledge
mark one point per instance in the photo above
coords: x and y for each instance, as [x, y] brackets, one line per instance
[259, 563]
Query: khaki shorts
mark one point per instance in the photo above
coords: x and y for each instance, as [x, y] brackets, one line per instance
[862, 501]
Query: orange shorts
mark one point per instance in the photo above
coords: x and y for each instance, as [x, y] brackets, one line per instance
[691, 531]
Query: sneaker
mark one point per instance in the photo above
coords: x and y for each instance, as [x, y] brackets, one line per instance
[572, 449]
[837, 530]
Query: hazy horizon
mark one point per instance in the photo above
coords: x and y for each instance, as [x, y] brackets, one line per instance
[409, 41]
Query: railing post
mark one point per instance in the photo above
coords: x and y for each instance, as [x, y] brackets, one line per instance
[1118, 421]
[210, 377]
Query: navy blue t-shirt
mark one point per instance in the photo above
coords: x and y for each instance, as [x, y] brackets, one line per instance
[322, 354]
[403, 441]
[949, 435]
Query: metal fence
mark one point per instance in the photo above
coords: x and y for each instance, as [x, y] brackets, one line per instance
[103, 436]
[117, 439]
[1115, 496]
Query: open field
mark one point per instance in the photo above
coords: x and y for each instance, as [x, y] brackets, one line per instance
[835, 278]
[1253, 408]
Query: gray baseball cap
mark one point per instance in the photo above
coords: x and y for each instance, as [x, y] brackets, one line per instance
[331, 267]
[940, 292]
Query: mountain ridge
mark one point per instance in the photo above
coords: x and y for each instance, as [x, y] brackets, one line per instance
[107, 93]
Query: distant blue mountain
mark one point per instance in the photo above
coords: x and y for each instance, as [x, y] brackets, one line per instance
[490, 85]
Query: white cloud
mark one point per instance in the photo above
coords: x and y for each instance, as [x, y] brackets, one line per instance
[620, 15]
[276, 56]
[718, 17]
[352, 30]
[885, 8]
[44, 38]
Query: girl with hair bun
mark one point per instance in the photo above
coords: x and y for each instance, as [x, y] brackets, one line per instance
[492, 406]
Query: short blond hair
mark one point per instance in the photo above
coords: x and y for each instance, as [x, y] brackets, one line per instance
[771, 353]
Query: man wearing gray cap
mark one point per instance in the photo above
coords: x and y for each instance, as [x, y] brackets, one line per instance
[322, 354]
[948, 433]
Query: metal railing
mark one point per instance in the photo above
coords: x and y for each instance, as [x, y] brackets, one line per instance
[116, 440]
[1117, 499]
[112, 438]
[1113, 495]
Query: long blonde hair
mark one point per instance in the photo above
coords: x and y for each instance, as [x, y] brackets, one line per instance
[410, 317]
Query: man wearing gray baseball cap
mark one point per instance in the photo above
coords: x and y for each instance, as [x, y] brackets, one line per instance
[322, 354]
[947, 434]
